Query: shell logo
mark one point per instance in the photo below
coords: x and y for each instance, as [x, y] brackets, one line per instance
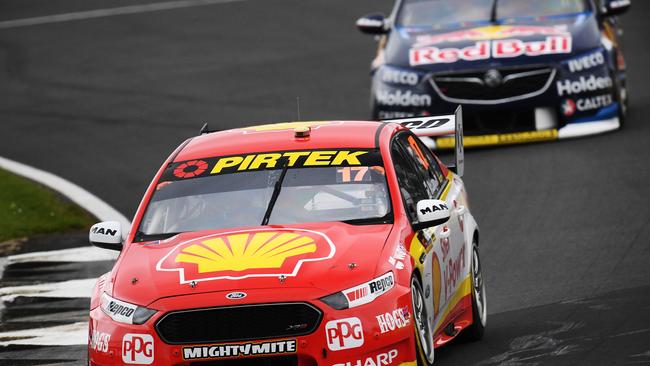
[244, 254]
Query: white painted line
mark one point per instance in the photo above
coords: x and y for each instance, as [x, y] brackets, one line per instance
[62, 335]
[107, 12]
[82, 254]
[66, 289]
[86, 200]
[71, 334]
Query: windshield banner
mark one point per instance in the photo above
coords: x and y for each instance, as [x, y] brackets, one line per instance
[271, 161]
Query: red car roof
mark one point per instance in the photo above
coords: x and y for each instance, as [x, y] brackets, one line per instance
[281, 137]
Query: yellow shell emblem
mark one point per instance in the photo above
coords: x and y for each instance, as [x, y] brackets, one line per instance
[253, 253]
[240, 252]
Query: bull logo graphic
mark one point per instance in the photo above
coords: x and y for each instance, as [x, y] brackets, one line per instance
[244, 254]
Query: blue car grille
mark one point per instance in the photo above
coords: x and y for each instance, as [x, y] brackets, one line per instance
[494, 86]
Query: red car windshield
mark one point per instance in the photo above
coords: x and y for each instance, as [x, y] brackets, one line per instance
[447, 12]
[212, 194]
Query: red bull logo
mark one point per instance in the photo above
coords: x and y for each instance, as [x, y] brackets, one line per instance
[244, 254]
[490, 33]
[490, 42]
[483, 50]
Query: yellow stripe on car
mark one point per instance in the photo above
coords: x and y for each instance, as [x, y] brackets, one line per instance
[285, 126]
[500, 139]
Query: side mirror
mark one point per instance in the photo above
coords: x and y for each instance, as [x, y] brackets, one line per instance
[615, 7]
[373, 24]
[432, 213]
[106, 235]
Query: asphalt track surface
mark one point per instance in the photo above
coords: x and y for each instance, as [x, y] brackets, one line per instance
[565, 226]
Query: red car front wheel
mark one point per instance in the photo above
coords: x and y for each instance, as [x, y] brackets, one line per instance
[422, 324]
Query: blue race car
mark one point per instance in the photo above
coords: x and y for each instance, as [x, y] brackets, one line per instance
[524, 70]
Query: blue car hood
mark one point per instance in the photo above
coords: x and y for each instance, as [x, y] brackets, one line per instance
[540, 41]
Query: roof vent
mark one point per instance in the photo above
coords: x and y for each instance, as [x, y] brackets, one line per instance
[302, 132]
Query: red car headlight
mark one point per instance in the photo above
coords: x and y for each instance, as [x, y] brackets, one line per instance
[124, 312]
[361, 294]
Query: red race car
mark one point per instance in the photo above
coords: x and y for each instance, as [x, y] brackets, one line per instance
[307, 243]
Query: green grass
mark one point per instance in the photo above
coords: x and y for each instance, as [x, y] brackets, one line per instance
[27, 208]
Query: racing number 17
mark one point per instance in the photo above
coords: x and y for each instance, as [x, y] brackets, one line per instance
[347, 172]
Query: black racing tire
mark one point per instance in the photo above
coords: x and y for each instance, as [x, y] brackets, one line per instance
[421, 325]
[479, 299]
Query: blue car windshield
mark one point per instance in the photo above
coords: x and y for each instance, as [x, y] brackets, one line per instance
[440, 13]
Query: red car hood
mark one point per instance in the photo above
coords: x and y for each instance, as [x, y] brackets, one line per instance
[315, 256]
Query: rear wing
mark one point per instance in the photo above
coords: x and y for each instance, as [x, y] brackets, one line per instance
[437, 126]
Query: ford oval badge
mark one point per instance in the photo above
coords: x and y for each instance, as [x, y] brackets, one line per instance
[236, 295]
